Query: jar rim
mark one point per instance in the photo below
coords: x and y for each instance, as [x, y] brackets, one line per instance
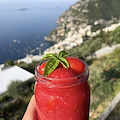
[51, 79]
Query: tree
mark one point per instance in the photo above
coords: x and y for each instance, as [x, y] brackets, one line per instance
[12, 89]
[96, 44]
[116, 35]
[9, 62]
[7, 111]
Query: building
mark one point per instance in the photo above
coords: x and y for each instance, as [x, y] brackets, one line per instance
[12, 74]
[29, 58]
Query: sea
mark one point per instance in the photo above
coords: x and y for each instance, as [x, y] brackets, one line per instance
[25, 23]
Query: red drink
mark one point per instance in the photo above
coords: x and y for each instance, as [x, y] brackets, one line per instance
[62, 99]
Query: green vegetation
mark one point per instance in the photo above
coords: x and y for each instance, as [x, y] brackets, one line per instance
[19, 88]
[95, 43]
[96, 27]
[29, 67]
[115, 35]
[14, 102]
[115, 113]
[9, 63]
[97, 9]
[12, 89]
[105, 9]
[54, 31]
[104, 81]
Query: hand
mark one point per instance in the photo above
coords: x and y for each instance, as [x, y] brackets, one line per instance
[31, 112]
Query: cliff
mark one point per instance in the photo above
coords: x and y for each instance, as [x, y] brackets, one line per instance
[86, 16]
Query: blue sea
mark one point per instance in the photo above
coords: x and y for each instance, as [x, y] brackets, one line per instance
[25, 23]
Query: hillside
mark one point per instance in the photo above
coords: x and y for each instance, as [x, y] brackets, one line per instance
[104, 81]
[90, 14]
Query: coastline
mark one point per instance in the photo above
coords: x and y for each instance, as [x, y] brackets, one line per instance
[68, 43]
[75, 39]
[22, 34]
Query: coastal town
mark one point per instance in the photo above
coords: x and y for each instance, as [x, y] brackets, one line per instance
[71, 41]
[77, 38]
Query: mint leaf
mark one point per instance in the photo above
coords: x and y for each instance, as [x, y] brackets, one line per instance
[54, 60]
[62, 54]
[64, 62]
[50, 55]
[50, 66]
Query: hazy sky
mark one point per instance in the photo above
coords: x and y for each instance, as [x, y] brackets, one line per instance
[20, 1]
[35, 3]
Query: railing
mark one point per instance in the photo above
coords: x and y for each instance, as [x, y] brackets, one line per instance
[111, 106]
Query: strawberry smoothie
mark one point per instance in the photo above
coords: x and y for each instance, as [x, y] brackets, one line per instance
[64, 94]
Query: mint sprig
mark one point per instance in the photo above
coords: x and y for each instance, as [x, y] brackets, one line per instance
[50, 66]
[54, 61]
[62, 54]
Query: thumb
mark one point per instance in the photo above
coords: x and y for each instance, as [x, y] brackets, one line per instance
[31, 112]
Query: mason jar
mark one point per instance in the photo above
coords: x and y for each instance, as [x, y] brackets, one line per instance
[62, 99]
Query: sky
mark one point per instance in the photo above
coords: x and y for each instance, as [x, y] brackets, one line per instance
[26, 3]
[44, 1]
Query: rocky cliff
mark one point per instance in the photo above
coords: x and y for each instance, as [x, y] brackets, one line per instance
[85, 15]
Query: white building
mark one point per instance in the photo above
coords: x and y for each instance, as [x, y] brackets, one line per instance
[12, 74]
[29, 58]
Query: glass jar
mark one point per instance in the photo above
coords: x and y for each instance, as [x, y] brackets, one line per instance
[62, 99]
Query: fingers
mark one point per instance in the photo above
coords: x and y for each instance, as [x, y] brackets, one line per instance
[31, 113]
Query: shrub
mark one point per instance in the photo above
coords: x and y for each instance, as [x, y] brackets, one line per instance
[29, 67]
[4, 98]
[12, 88]
[19, 88]
[9, 62]
[116, 35]
[26, 88]
[96, 44]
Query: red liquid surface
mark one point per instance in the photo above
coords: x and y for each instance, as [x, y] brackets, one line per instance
[63, 103]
